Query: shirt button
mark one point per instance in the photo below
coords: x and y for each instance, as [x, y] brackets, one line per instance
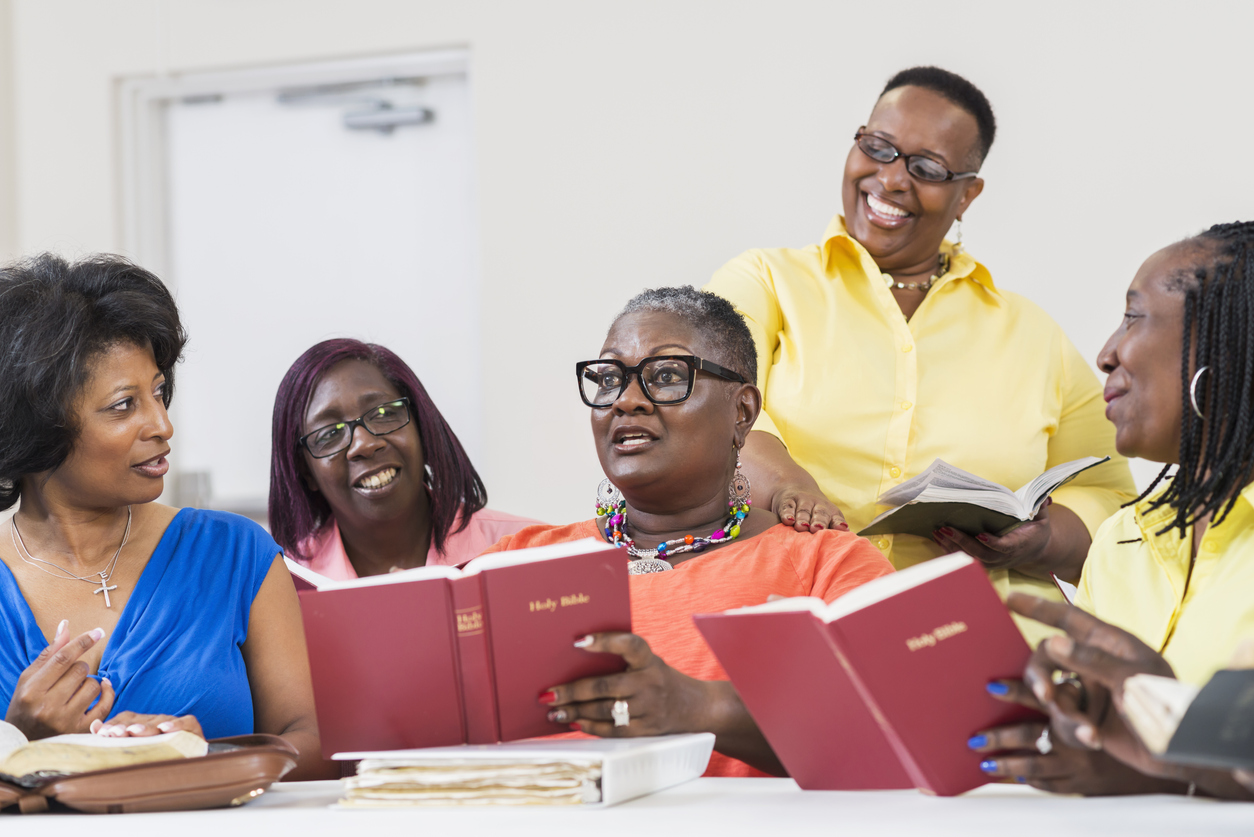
[907, 347]
[894, 471]
[906, 405]
[882, 543]
[1208, 546]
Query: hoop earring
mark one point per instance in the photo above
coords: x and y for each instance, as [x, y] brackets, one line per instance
[1197, 376]
[609, 498]
[739, 492]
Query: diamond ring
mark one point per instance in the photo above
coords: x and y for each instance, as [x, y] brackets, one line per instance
[619, 713]
[1043, 745]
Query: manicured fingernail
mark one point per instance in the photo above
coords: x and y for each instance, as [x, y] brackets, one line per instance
[105, 681]
[1086, 735]
[165, 726]
[1021, 780]
[982, 538]
[997, 688]
[576, 727]
[1061, 645]
[548, 697]
[559, 716]
[988, 765]
[790, 520]
[977, 742]
[843, 526]
[136, 728]
[583, 642]
[61, 626]
[97, 634]
[111, 730]
[95, 726]
[1039, 690]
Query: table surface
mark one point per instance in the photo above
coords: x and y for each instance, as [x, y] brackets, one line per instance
[719, 807]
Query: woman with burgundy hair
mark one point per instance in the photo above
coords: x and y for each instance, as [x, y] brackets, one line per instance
[366, 475]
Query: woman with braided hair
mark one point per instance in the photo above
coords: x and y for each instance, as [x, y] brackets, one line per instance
[1169, 577]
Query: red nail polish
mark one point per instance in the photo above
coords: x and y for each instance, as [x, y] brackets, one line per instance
[576, 727]
[982, 538]
[843, 526]
[548, 697]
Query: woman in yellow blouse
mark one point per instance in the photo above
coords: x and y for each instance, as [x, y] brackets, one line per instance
[886, 347]
[1174, 570]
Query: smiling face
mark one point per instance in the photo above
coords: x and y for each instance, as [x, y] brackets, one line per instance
[378, 478]
[898, 218]
[669, 458]
[119, 455]
[1142, 358]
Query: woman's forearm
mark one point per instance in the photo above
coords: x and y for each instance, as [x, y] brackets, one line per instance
[310, 764]
[1069, 543]
[735, 733]
[770, 467]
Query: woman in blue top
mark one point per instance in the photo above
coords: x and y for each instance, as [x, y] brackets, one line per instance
[120, 615]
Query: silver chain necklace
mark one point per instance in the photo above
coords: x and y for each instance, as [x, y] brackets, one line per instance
[102, 575]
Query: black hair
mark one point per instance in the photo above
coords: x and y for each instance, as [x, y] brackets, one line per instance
[714, 317]
[956, 89]
[56, 318]
[1216, 452]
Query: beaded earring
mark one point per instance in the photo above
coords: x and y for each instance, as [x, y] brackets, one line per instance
[958, 237]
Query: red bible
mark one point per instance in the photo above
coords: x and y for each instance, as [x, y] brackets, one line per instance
[436, 656]
[881, 688]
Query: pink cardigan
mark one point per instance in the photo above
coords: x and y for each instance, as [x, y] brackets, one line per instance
[327, 557]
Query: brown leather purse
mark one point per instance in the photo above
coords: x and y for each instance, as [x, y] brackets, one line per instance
[234, 771]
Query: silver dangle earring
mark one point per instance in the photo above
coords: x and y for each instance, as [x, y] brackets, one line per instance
[958, 237]
[1197, 376]
[608, 498]
[739, 493]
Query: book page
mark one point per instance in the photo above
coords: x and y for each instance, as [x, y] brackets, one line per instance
[940, 473]
[514, 557]
[1034, 493]
[10, 739]
[398, 577]
[887, 586]
[1155, 706]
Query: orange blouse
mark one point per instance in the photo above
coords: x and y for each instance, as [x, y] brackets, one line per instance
[780, 561]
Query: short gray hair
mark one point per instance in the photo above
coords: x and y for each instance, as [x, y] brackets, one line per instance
[716, 319]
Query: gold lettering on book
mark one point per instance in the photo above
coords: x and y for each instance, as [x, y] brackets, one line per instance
[551, 606]
[469, 620]
[929, 640]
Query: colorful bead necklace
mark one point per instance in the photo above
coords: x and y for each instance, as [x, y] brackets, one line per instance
[654, 560]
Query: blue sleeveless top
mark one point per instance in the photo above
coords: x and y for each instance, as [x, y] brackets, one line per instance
[178, 646]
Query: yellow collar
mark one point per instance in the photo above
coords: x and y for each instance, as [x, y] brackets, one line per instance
[961, 264]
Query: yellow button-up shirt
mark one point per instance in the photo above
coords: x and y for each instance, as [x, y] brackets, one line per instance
[1141, 582]
[864, 399]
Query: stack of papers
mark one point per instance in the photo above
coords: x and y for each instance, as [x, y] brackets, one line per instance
[537, 772]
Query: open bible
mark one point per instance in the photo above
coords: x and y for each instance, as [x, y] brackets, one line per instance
[1208, 727]
[881, 688]
[63, 755]
[947, 496]
[437, 656]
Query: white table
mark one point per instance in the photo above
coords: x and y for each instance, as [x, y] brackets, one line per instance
[702, 808]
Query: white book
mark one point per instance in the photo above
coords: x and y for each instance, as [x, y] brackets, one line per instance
[589, 772]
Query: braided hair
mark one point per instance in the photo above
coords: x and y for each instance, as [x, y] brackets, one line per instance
[1216, 453]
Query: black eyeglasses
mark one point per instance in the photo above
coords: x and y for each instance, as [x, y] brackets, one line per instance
[378, 421]
[925, 168]
[666, 379]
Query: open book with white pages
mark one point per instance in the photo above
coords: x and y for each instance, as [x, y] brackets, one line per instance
[589, 772]
[944, 495]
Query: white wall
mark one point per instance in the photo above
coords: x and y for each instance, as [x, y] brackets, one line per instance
[627, 145]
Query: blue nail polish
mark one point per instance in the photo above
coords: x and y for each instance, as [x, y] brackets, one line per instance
[988, 765]
[976, 742]
[1021, 780]
[997, 688]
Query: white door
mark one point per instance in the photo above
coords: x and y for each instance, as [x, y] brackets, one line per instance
[285, 227]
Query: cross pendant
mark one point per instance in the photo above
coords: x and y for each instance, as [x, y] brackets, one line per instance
[103, 588]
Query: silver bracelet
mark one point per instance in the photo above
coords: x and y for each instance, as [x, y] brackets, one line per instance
[1192, 789]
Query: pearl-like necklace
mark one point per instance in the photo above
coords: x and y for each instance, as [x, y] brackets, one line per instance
[920, 286]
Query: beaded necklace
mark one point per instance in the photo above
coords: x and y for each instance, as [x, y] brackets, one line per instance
[654, 560]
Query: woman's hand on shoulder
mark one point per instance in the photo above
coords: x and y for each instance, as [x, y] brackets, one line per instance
[54, 695]
[660, 700]
[138, 725]
[806, 509]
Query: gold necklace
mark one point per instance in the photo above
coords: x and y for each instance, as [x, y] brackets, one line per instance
[941, 270]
